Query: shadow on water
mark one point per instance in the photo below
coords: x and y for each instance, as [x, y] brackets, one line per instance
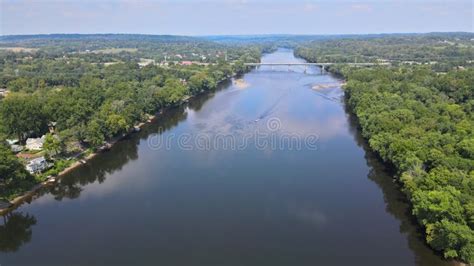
[395, 201]
[109, 162]
[16, 229]
[198, 101]
[96, 169]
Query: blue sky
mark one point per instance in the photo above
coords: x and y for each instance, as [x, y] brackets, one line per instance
[209, 17]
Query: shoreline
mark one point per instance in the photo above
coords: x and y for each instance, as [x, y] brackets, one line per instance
[28, 196]
[338, 75]
[396, 179]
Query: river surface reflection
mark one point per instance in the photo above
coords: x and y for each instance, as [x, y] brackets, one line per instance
[327, 201]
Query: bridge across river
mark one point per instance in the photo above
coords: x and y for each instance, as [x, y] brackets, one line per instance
[322, 65]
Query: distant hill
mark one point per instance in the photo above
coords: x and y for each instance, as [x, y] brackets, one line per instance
[75, 42]
[120, 37]
[303, 38]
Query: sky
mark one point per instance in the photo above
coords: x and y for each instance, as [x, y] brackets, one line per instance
[234, 17]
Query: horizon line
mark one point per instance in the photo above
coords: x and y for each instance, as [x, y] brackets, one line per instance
[234, 35]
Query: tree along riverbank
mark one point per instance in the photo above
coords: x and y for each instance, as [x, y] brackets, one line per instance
[26, 191]
[422, 123]
[80, 100]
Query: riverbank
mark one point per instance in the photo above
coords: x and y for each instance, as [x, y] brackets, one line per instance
[451, 238]
[385, 132]
[296, 195]
[51, 180]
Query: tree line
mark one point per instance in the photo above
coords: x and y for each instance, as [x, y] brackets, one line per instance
[442, 51]
[90, 103]
[423, 124]
[419, 118]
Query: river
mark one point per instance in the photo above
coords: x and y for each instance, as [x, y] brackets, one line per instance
[268, 170]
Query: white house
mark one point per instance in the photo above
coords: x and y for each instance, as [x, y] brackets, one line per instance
[35, 144]
[3, 92]
[16, 148]
[37, 165]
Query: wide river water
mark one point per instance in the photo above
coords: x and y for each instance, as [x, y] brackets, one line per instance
[268, 170]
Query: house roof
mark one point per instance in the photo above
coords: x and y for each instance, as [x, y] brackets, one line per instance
[35, 140]
[16, 148]
[12, 141]
[37, 160]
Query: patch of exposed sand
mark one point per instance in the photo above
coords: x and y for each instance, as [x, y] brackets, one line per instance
[240, 83]
[326, 86]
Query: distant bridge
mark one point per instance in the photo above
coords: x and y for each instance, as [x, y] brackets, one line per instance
[322, 65]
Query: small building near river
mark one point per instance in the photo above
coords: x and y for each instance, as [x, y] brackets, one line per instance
[35, 144]
[37, 165]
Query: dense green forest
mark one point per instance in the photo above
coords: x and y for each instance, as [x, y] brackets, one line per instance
[442, 51]
[99, 95]
[419, 118]
[423, 123]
